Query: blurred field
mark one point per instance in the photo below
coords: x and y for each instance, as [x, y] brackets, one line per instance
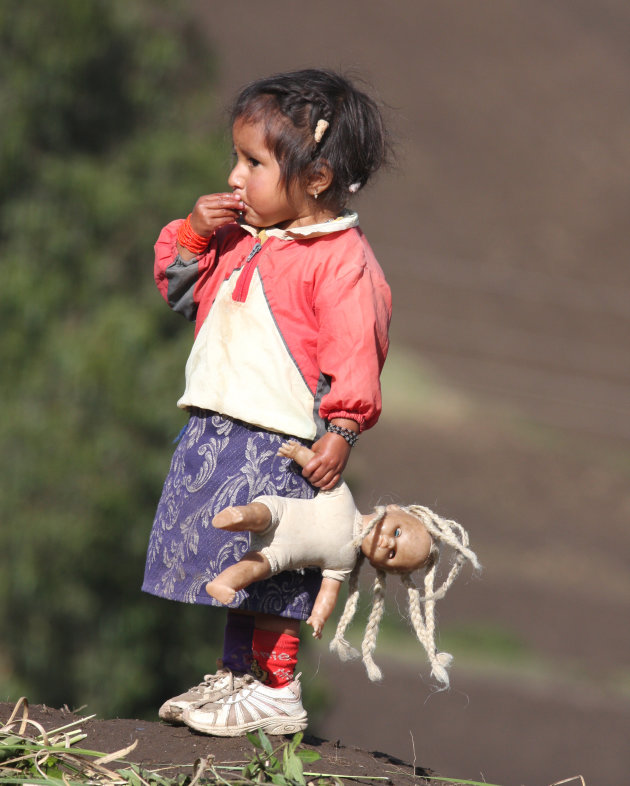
[503, 232]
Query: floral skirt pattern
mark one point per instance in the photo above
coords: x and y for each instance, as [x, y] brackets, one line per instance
[220, 462]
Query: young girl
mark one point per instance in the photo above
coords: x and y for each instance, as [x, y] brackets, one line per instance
[292, 314]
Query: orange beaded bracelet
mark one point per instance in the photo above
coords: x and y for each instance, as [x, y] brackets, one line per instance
[188, 238]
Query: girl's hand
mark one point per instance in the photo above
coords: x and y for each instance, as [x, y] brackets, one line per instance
[331, 456]
[211, 212]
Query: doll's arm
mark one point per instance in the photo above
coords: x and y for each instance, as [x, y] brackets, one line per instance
[324, 605]
[299, 453]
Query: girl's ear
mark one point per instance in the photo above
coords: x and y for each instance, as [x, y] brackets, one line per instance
[321, 178]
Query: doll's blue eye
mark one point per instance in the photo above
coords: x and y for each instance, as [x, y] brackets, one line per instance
[397, 532]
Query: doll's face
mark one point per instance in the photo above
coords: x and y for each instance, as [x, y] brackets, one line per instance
[399, 543]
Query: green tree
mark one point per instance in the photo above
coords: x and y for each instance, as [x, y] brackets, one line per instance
[106, 134]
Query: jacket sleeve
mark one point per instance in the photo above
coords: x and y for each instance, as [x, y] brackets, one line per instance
[353, 312]
[175, 277]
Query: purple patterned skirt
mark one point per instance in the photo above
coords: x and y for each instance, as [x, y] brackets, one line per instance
[220, 462]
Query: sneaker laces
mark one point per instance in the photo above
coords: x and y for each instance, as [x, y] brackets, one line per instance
[209, 680]
[237, 683]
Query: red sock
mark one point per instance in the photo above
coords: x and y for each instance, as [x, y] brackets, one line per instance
[274, 657]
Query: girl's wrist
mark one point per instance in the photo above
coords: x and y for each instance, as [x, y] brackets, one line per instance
[350, 435]
[189, 239]
[185, 254]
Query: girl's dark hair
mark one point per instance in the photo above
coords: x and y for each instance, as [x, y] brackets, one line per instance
[354, 145]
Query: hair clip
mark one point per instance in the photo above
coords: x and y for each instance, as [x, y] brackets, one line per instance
[320, 129]
[354, 187]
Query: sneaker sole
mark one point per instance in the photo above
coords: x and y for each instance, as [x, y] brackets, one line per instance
[269, 725]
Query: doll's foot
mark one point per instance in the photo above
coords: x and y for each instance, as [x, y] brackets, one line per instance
[221, 592]
[254, 517]
[229, 518]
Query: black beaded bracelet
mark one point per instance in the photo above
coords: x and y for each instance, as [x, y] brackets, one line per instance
[350, 436]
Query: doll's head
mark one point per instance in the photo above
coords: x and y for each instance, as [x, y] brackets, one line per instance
[428, 534]
[315, 121]
[395, 540]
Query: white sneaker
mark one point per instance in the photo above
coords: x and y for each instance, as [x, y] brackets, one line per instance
[212, 688]
[254, 706]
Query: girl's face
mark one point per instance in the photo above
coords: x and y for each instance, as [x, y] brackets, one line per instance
[255, 179]
[399, 543]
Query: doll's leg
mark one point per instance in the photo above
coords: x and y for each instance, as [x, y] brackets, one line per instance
[254, 517]
[299, 453]
[252, 567]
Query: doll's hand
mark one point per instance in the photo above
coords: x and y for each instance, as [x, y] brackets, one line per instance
[331, 456]
[213, 211]
[317, 623]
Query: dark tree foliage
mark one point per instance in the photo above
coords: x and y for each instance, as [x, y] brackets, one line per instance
[107, 111]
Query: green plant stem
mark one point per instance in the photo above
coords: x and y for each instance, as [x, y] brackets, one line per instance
[457, 780]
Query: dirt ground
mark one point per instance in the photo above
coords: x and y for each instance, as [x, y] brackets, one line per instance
[174, 749]
[503, 231]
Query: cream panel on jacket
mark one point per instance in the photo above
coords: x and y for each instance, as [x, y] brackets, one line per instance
[268, 389]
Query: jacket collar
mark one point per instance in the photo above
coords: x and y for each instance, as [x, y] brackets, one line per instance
[345, 220]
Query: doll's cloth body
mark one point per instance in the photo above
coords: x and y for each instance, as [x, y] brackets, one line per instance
[314, 532]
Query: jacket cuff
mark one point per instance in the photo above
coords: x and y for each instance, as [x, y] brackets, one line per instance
[360, 419]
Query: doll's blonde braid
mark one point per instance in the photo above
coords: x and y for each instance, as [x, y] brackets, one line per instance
[379, 515]
[424, 626]
[443, 531]
[339, 644]
[368, 645]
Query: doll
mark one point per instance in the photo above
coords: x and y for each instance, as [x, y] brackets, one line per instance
[329, 532]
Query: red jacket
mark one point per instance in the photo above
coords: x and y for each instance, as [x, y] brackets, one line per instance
[289, 333]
